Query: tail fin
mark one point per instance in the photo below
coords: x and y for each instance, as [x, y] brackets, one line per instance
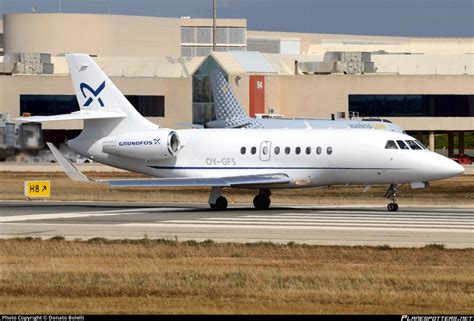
[227, 107]
[104, 109]
[95, 92]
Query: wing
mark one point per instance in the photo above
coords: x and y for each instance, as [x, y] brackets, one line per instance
[234, 181]
[231, 181]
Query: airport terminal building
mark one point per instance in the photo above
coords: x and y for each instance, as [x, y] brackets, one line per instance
[162, 65]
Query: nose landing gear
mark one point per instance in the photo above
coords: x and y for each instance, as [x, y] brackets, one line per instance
[392, 194]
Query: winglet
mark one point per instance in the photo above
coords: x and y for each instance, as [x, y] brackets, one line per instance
[67, 166]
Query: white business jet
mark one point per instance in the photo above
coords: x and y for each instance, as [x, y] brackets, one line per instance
[263, 159]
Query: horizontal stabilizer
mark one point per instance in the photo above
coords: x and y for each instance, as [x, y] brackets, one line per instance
[67, 166]
[234, 181]
[78, 115]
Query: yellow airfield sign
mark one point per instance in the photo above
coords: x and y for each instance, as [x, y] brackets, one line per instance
[37, 188]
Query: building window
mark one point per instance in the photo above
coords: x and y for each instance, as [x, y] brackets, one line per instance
[197, 41]
[148, 106]
[46, 105]
[263, 45]
[188, 35]
[412, 105]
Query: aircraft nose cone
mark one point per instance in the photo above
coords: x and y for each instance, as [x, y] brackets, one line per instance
[442, 167]
[457, 169]
[450, 168]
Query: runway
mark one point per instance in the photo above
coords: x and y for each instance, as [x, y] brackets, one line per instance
[325, 225]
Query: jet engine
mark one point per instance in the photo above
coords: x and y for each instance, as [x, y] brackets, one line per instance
[153, 145]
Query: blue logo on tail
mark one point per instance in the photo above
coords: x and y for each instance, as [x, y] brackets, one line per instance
[96, 93]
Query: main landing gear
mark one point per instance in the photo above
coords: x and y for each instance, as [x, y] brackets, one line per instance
[262, 200]
[217, 202]
[220, 204]
[392, 194]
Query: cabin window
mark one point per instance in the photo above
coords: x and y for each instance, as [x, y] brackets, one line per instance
[402, 144]
[319, 150]
[253, 150]
[420, 144]
[287, 150]
[329, 150]
[308, 150]
[265, 150]
[412, 145]
[297, 150]
[391, 145]
[277, 150]
[243, 150]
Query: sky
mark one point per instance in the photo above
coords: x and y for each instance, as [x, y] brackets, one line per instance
[433, 18]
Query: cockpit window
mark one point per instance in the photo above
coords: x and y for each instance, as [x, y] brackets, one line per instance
[412, 144]
[402, 144]
[420, 144]
[391, 145]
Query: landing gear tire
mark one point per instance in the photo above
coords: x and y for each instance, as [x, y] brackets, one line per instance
[261, 202]
[392, 195]
[392, 207]
[220, 205]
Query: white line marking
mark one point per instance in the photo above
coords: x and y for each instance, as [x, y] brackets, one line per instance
[379, 214]
[291, 224]
[280, 227]
[50, 216]
[365, 220]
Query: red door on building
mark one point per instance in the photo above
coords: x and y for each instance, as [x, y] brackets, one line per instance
[257, 95]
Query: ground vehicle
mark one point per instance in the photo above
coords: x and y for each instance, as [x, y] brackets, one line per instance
[462, 159]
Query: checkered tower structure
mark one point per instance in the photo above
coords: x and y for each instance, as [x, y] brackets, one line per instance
[227, 107]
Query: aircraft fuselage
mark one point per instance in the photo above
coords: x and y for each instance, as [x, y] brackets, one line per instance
[310, 157]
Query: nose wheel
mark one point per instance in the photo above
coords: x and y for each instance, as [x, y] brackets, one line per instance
[392, 194]
[392, 207]
[262, 200]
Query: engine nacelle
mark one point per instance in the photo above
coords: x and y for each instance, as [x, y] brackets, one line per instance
[157, 144]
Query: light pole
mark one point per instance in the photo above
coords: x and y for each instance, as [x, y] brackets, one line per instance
[214, 36]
